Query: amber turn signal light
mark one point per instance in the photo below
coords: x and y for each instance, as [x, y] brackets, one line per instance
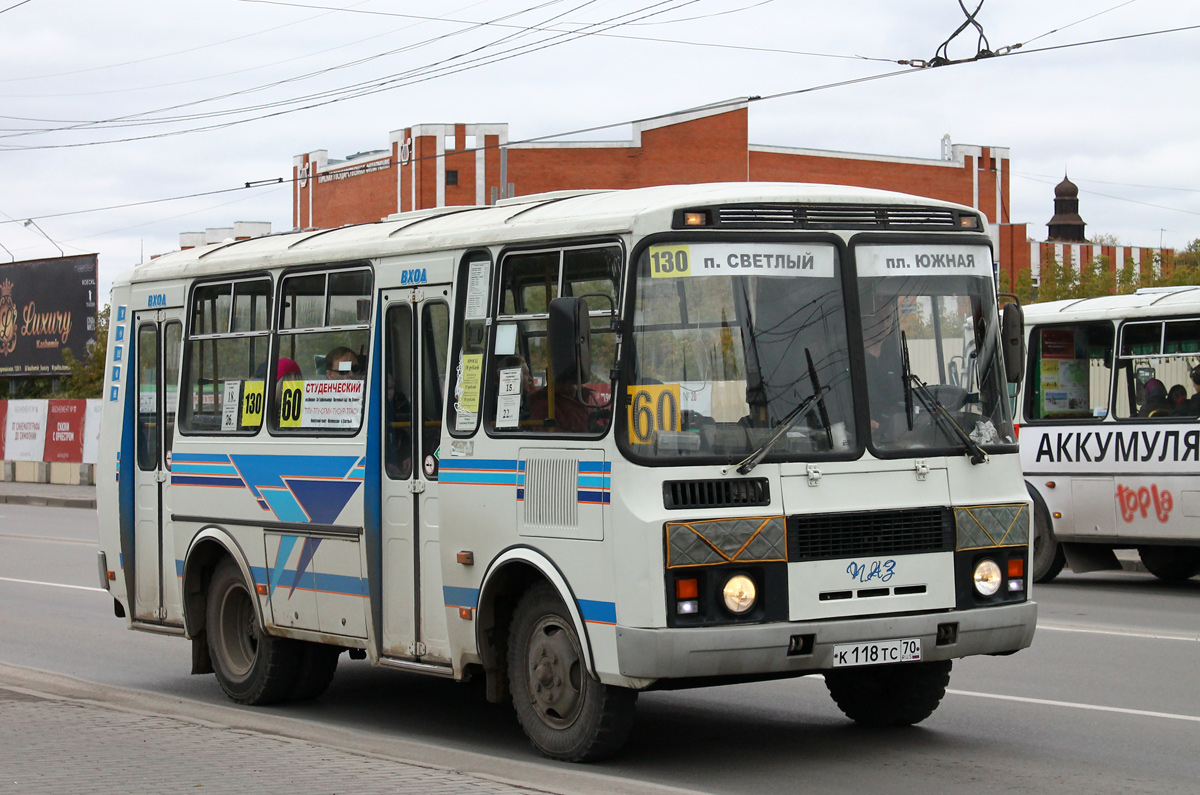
[686, 589]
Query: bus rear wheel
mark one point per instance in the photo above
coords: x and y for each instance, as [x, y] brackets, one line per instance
[318, 662]
[1171, 564]
[900, 694]
[252, 667]
[566, 714]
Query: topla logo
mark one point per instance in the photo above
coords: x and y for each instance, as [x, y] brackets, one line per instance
[8, 319]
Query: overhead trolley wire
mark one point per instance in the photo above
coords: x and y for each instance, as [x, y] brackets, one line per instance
[431, 71]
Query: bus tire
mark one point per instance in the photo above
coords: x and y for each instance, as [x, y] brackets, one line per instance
[1048, 555]
[318, 662]
[252, 667]
[900, 694]
[566, 714]
[1171, 564]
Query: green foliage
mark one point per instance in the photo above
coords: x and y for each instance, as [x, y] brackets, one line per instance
[87, 374]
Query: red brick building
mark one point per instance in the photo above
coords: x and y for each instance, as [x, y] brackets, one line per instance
[437, 165]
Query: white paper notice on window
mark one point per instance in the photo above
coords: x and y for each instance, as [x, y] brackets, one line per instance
[230, 403]
[508, 400]
[477, 290]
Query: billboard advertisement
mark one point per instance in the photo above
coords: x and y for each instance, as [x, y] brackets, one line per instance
[46, 307]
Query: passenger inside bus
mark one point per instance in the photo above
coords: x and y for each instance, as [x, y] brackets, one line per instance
[1191, 406]
[574, 405]
[341, 362]
[1156, 404]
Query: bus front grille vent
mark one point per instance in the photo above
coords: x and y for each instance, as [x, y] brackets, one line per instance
[550, 495]
[840, 216]
[681, 495]
[847, 535]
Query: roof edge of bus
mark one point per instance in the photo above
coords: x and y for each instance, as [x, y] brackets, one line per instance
[614, 211]
[1152, 300]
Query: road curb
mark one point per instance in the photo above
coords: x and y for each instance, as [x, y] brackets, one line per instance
[534, 774]
[49, 502]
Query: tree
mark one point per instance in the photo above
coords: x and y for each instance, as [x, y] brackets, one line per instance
[87, 374]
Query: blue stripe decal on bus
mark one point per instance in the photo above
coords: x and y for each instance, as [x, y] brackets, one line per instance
[598, 612]
[219, 482]
[181, 468]
[200, 458]
[593, 482]
[479, 478]
[460, 597]
[595, 466]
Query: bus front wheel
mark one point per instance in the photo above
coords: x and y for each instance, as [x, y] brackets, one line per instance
[251, 666]
[1171, 564]
[566, 714]
[900, 694]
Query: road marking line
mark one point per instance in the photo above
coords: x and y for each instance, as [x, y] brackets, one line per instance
[91, 541]
[53, 584]
[1073, 705]
[1120, 632]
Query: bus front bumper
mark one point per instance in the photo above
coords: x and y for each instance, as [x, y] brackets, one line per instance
[778, 648]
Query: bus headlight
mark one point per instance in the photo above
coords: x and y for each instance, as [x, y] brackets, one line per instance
[739, 593]
[987, 577]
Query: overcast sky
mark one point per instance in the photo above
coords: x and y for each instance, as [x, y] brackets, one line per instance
[1118, 116]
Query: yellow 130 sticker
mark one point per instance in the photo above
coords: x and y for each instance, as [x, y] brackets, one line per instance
[291, 404]
[252, 404]
[652, 409]
[670, 261]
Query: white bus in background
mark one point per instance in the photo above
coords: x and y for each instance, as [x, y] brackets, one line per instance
[582, 445]
[1110, 463]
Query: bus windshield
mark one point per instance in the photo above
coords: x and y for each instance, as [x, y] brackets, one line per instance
[931, 349]
[722, 338]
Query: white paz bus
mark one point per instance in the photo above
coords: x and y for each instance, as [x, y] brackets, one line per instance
[1110, 439]
[582, 445]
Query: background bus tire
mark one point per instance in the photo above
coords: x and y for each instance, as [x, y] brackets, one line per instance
[889, 695]
[566, 714]
[251, 666]
[1171, 564]
[1048, 555]
[318, 662]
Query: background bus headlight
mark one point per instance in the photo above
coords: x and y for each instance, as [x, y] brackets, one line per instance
[739, 593]
[987, 577]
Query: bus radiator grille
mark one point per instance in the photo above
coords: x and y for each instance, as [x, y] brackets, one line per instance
[856, 534]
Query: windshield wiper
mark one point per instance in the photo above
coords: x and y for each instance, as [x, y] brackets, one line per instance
[817, 398]
[933, 406]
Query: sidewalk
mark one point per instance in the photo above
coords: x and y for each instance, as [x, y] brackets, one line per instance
[61, 734]
[51, 494]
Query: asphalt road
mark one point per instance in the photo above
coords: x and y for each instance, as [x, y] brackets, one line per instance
[1106, 700]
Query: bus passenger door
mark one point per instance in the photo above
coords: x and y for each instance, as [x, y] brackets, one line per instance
[156, 595]
[416, 327]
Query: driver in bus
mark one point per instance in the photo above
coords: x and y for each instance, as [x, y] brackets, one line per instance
[885, 377]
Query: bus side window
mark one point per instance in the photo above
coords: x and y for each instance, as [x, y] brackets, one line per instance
[522, 392]
[225, 356]
[435, 341]
[1070, 373]
[1154, 369]
[323, 336]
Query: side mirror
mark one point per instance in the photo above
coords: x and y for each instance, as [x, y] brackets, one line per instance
[569, 333]
[1012, 342]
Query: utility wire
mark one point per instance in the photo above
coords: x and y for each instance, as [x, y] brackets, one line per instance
[14, 5]
[431, 72]
[352, 90]
[596, 128]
